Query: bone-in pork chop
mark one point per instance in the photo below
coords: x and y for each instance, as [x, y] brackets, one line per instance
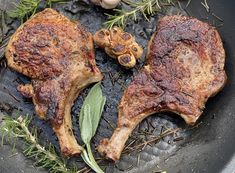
[58, 55]
[185, 66]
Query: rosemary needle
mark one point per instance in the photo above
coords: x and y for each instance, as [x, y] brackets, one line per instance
[189, 1]
[206, 6]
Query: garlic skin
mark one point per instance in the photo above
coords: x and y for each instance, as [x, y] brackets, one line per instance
[107, 4]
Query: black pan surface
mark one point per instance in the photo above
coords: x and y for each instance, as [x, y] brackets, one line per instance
[208, 147]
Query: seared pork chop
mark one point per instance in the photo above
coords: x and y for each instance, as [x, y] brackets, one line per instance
[58, 55]
[185, 66]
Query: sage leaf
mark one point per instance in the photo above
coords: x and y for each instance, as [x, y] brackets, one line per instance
[96, 101]
[86, 131]
[89, 118]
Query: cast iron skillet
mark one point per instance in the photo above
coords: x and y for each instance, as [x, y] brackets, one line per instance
[209, 147]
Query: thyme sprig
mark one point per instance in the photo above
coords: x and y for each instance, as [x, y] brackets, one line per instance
[145, 7]
[44, 157]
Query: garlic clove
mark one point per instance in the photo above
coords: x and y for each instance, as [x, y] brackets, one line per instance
[110, 53]
[136, 50]
[127, 60]
[102, 38]
[118, 49]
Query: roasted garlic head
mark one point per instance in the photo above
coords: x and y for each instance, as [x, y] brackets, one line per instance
[119, 45]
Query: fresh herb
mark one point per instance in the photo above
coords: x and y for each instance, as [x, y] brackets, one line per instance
[44, 157]
[89, 118]
[27, 8]
[24, 9]
[145, 7]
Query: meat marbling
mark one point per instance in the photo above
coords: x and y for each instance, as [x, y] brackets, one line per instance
[185, 66]
[58, 55]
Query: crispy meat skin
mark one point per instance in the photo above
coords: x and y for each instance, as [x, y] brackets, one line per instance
[185, 66]
[59, 57]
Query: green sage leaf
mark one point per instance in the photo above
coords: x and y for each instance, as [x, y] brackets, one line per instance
[86, 130]
[89, 120]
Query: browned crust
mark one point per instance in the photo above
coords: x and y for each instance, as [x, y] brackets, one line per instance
[166, 83]
[41, 46]
[58, 55]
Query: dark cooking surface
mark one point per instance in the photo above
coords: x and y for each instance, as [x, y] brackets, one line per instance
[207, 148]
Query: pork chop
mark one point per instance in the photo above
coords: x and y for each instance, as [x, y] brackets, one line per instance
[58, 55]
[185, 66]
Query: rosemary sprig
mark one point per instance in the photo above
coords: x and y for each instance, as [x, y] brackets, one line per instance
[27, 8]
[89, 118]
[44, 157]
[24, 9]
[145, 7]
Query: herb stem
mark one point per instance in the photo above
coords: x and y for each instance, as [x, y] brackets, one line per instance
[90, 161]
[146, 7]
[93, 159]
[86, 158]
[42, 149]
[46, 158]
